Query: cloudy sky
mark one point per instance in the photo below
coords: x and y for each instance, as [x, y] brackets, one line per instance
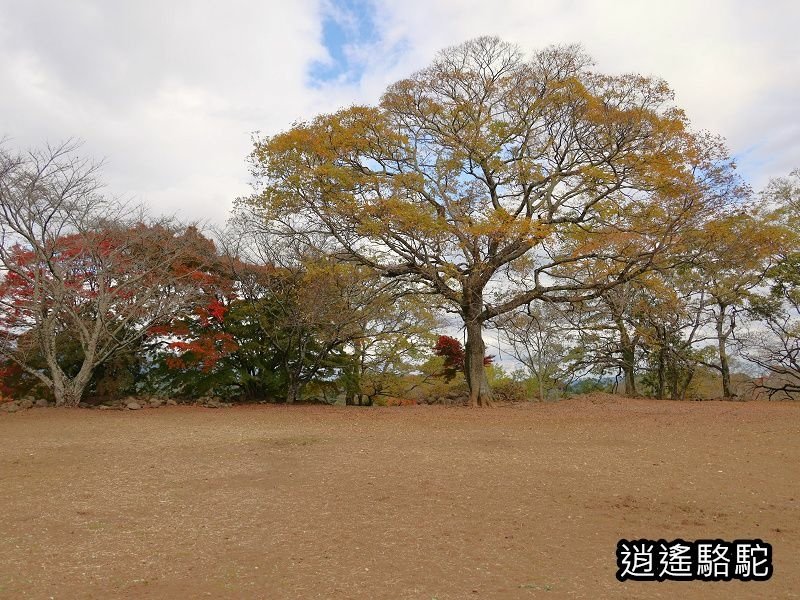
[169, 92]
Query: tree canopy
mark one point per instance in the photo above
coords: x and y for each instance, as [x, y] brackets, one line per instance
[575, 212]
[493, 180]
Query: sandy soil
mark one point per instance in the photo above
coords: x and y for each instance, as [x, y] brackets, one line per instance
[420, 502]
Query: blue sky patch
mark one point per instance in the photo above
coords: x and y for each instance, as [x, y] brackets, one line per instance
[346, 26]
[751, 162]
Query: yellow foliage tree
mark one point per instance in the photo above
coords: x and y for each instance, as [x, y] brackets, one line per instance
[492, 181]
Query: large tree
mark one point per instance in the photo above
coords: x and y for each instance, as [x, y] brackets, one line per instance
[772, 341]
[733, 255]
[82, 277]
[492, 180]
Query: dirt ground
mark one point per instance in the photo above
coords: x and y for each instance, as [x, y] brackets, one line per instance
[415, 502]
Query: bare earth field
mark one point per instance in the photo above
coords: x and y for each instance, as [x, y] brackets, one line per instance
[419, 502]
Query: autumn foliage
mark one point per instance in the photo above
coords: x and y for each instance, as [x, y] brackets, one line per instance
[491, 180]
[526, 193]
[453, 353]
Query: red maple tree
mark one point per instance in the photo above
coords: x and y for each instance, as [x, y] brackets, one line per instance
[453, 352]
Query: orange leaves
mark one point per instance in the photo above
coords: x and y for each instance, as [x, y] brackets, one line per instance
[158, 330]
[203, 352]
[487, 170]
[202, 342]
[216, 309]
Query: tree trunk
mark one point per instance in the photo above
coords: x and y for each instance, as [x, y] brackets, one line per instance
[661, 374]
[69, 392]
[673, 374]
[726, 371]
[353, 376]
[628, 371]
[628, 359]
[687, 380]
[723, 355]
[71, 395]
[479, 392]
[293, 391]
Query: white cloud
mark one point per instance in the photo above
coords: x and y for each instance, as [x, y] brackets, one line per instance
[733, 64]
[170, 92]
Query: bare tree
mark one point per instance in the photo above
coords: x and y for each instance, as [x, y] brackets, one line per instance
[77, 265]
[540, 337]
